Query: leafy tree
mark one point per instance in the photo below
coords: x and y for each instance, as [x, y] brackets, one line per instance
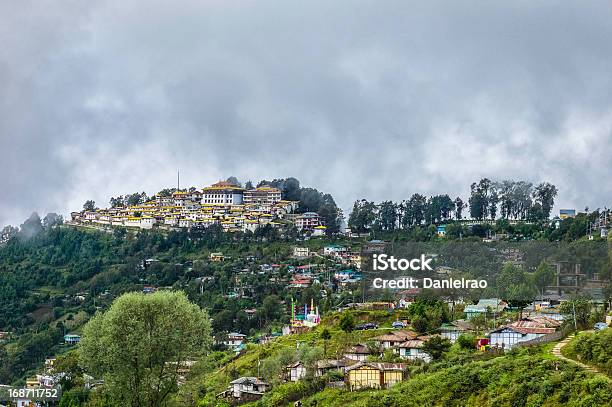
[479, 199]
[545, 194]
[363, 216]
[436, 347]
[514, 286]
[326, 336]
[576, 309]
[387, 215]
[420, 324]
[234, 181]
[459, 205]
[8, 232]
[270, 309]
[89, 206]
[467, 342]
[543, 276]
[347, 323]
[52, 219]
[309, 356]
[139, 344]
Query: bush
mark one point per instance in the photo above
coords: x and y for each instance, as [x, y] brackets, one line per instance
[467, 341]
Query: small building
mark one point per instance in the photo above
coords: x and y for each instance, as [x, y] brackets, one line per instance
[296, 371]
[330, 365]
[413, 350]
[319, 230]
[485, 306]
[234, 340]
[72, 339]
[333, 249]
[374, 375]
[247, 388]
[216, 256]
[395, 338]
[567, 213]
[301, 252]
[455, 329]
[506, 337]
[359, 352]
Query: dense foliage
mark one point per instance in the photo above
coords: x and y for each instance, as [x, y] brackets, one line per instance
[140, 344]
[519, 379]
[593, 348]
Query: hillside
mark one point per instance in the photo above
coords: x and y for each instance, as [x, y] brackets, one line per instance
[522, 377]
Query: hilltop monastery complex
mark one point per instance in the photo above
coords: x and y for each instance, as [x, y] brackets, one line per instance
[223, 203]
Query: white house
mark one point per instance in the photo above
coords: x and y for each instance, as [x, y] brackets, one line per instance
[358, 352]
[248, 386]
[234, 340]
[297, 371]
[412, 350]
[333, 250]
[301, 252]
[506, 337]
[455, 329]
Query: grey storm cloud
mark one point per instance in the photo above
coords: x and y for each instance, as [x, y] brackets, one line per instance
[362, 99]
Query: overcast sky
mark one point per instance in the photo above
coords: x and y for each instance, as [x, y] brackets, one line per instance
[361, 99]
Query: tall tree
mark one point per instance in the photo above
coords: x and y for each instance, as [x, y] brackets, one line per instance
[363, 216]
[545, 194]
[52, 219]
[141, 343]
[479, 199]
[387, 215]
[459, 205]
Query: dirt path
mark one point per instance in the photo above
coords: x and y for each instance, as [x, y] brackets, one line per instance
[556, 351]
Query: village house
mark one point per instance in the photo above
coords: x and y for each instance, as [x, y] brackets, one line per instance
[300, 281]
[485, 307]
[72, 339]
[359, 352]
[374, 375]
[297, 371]
[333, 250]
[526, 329]
[301, 252]
[234, 340]
[413, 350]
[216, 256]
[246, 389]
[393, 339]
[455, 329]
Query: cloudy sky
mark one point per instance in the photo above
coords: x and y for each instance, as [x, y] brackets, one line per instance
[374, 99]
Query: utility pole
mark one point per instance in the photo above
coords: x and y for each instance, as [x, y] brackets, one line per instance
[178, 180]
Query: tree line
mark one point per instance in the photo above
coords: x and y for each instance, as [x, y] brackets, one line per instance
[517, 200]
